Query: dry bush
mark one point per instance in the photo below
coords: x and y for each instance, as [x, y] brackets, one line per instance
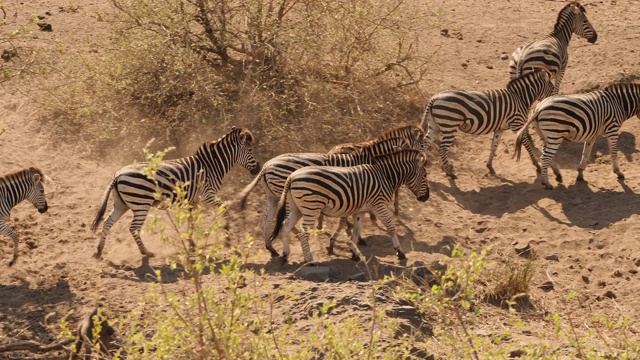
[513, 284]
[289, 70]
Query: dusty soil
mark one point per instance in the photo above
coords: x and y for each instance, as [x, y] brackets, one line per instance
[591, 227]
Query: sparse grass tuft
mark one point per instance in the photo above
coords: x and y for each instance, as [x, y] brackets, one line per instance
[513, 285]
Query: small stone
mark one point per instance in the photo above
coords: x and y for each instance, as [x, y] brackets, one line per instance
[552, 257]
[516, 353]
[438, 266]
[504, 57]
[637, 262]
[602, 283]
[523, 250]
[527, 332]
[489, 67]
[633, 271]
[547, 286]
[45, 27]
[402, 311]
[610, 294]
[313, 273]
[464, 65]
[617, 273]
[31, 244]
[444, 32]
[482, 229]
[585, 279]
[600, 246]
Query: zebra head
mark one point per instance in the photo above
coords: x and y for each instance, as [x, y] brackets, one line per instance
[35, 193]
[417, 175]
[580, 23]
[244, 151]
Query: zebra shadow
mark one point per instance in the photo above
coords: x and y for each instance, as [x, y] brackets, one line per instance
[26, 308]
[148, 273]
[569, 154]
[582, 205]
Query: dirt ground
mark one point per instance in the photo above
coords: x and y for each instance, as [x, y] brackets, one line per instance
[585, 234]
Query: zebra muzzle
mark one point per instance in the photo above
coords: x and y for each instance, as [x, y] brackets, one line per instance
[424, 197]
[43, 209]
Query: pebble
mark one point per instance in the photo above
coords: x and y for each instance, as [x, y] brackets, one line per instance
[504, 57]
[552, 257]
[313, 273]
[547, 286]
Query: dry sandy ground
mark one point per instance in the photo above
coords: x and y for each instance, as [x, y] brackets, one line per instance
[592, 227]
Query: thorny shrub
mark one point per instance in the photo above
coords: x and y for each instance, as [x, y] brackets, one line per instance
[285, 69]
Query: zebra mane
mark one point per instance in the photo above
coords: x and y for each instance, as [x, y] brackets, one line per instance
[532, 74]
[618, 86]
[32, 170]
[382, 158]
[398, 128]
[564, 11]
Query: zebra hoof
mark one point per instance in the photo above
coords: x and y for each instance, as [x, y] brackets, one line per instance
[491, 171]
[401, 255]
[149, 254]
[284, 259]
[361, 242]
[538, 170]
[13, 261]
[355, 257]
[97, 255]
[330, 250]
[620, 176]
[559, 178]
[580, 178]
[452, 176]
[547, 186]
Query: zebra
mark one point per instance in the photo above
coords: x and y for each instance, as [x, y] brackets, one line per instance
[14, 188]
[275, 172]
[413, 133]
[480, 113]
[200, 175]
[582, 118]
[551, 52]
[346, 191]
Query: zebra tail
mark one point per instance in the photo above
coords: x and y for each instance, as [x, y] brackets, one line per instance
[521, 134]
[282, 211]
[427, 117]
[103, 207]
[244, 194]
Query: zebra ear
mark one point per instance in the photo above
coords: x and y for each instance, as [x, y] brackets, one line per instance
[422, 160]
[243, 138]
[36, 178]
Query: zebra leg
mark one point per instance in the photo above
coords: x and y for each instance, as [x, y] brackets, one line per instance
[267, 227]
[527, 141]
[139, 216]
[494, 146]
[382, 210]
[119, 208]
[613, 149]
[550, 147]
[307, 224]
[334, 236]
[349, 228]
[289, 225]
[447, 141]
[5, 229]
[355, 252]
[559, 76]
[586, 154]
[320, 222]
[396, 205]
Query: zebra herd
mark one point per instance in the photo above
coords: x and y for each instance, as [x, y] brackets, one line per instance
[352, 179]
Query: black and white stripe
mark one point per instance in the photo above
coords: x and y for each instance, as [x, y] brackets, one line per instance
[343, 192]
[551, 52]
[200, 176]
[15, 188]
[582, 118]
[413, 133]
[275, 172]
[484, 112]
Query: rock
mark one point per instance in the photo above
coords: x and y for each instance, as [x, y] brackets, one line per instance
[585, 278]
[45, 26]
[404, 311]
[610, 294]
[438, 266]
[31, 244]
[617, 273]
[552, 257]
[516, 353]
[464, 65]
[489, 67]
[637, 262]
[523, 250]
[444, 32]
[602, 283]
[504, 57]
[633, 271]
[547, 286]
[361, 276]
[313, 273]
